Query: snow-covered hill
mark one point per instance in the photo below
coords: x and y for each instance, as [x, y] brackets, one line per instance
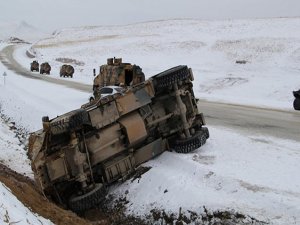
[21, 30]
[270, 48]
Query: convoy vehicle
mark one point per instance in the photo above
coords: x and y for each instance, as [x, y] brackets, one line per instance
[296, 100]
[34, 66]
[76, 156]
[117, 73]
[45, 68]
[66, 71]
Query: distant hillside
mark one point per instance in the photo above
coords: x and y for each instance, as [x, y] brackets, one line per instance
[21, 30]
[226, 55]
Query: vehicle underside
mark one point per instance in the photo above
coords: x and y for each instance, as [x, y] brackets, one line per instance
[76, 156]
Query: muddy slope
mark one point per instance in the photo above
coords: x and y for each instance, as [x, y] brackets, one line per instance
[24, 189]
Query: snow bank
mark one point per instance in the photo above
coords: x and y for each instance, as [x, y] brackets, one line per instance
[12, 211]
[12, 152]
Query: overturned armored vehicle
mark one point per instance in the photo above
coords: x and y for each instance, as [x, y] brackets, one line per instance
[117, 73]
[77, 155]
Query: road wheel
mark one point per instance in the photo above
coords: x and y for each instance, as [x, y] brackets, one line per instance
[171, 76]
[190, 144]
[69, 122]
[297, 104]
[90, 199]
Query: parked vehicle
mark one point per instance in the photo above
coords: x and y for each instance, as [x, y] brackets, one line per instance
[66, 71]
[297, 100]
[34, 66]
[106, 91]
[76, 156]
[45, 68]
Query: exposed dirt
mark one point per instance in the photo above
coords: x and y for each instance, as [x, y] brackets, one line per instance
[24, 189]
[224, 217]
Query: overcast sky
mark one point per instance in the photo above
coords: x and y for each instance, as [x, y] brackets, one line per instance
[54, 14]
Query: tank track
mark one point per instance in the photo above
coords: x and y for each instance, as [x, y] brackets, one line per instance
[190, 144]
[88, 200]
[171, 76]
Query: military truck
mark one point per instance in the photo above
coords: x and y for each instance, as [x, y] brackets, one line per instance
[66, 71]
[116, 73]
[296, 103]
[45, 68]
[76, 156]
[34, 66]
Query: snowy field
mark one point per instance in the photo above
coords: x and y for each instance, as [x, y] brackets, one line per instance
[254, 175]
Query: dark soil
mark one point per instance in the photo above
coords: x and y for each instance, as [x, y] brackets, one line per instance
[24, 189]
[206, 217]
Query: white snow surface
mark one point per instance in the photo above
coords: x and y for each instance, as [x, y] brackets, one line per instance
[12, 211]
[12, 151]
[255, 175]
